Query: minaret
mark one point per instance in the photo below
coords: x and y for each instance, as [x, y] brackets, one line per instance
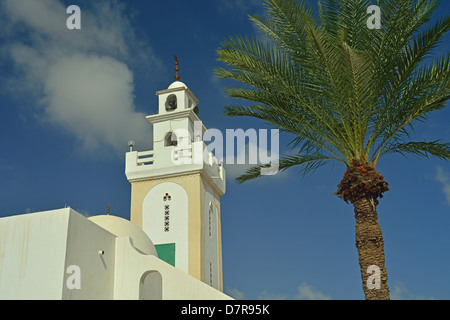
[176, 188]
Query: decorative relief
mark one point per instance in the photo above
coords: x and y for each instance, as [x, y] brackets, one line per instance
[167, 197]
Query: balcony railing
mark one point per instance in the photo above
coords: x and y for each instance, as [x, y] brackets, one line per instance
[170, 160]
[145, 158]
[178, 155]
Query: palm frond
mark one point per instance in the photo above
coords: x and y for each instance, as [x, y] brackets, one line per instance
[343, 90]
[427, 91]
[423, 149]
[308, 162]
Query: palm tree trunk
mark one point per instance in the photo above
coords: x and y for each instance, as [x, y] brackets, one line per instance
[370, 245]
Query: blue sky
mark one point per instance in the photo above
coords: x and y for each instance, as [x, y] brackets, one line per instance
[64, 135]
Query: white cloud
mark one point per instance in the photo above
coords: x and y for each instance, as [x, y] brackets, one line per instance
[92, 97]
[79, 80]
[235, 293]
[399, 292]
[245, 155]
[271, 296]
[105, 27]
[444, 178]
[306, 292]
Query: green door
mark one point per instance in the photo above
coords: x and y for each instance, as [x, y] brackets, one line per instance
[166, 252]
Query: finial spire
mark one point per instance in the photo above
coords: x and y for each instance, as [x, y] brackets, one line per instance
[109, 207]
[177, 77]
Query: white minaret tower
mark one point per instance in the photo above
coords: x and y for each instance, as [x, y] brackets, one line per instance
[176, 188]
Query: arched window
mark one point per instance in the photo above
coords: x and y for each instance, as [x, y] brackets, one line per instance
[150, 286]
[170, 139]
[171, 103]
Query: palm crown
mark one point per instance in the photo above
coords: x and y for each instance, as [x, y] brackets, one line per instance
[346, 92]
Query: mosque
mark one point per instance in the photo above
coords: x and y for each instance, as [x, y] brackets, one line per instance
[169, 249]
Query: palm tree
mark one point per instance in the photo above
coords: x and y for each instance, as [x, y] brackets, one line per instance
[347, 93]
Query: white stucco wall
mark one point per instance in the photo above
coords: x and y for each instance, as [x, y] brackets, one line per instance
[36, 250]
[84, 241]
[32, 255]
[176, 284]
